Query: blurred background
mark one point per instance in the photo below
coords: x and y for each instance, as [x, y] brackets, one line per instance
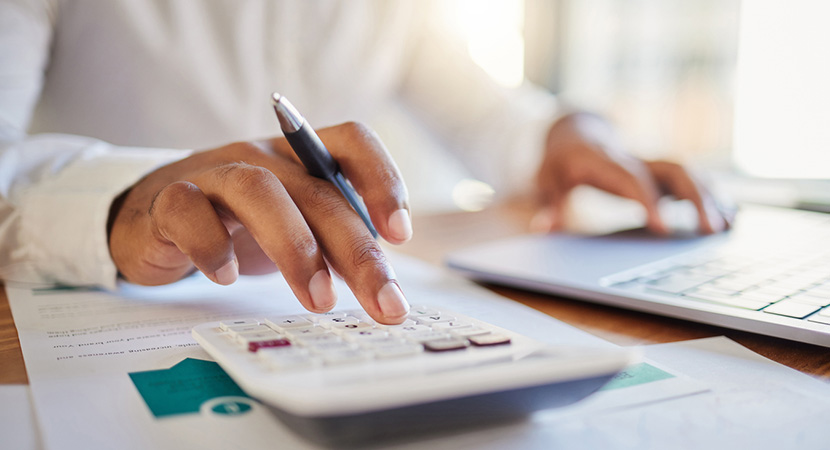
[662, 70]
[734, 87]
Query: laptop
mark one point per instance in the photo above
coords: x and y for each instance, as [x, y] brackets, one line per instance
[770, 274]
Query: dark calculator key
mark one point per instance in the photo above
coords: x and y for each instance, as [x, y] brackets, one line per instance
[254, 346]
[443, 345]
[485, 340]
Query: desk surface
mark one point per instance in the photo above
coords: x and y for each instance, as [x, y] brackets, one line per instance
[438, 234]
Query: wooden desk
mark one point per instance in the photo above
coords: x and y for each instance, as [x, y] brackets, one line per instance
[436, 235]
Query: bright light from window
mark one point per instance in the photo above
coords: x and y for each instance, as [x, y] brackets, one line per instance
[493, 29]
[782, 111]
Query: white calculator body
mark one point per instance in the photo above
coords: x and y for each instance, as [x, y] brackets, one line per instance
[340, 376]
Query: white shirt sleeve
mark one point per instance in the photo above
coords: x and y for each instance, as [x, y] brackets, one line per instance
[55, 190]
[498, 133]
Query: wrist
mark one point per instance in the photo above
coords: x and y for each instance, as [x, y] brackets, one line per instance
[580, 129]
[115, 209]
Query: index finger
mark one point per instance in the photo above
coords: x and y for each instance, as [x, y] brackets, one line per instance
[367, 164]
[682, 185]
[634, 182]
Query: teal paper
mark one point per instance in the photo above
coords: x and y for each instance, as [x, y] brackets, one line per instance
[183, 388]
[637, 374]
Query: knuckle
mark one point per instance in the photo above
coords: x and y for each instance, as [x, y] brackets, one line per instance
[247, 178]
[169, 199]
[579, 172]
[357, 130]
[303, 243]
[323, 197]
[365, 253]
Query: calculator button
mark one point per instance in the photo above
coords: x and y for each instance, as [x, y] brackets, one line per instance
[472, 331]
[351, 326]
[331, 347]
[383, 342]
[361, 316]
[406, 323]
[488, 339]
[443, 345]
[307, 331]
[332, 321]
[434, 318]
[256, 345]
[287, 358]
[365, 335]
[317, 318]
[396, 351]
[225, 325]
[344, 357]
[286, 322]
[451, 326]
[327, 336]
[425, 336]
[246, 338]
[422, 311]
[237, 330]
[408, 329]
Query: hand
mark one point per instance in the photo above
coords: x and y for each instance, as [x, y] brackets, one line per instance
[583, 149]
[252, 208]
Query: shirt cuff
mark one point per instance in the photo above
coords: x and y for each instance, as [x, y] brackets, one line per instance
[64, 217]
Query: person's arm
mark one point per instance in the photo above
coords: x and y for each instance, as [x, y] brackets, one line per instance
[55, 190]
[498, 133]
[252, 208]
[505, 136]
[584, 148]
[79, 211]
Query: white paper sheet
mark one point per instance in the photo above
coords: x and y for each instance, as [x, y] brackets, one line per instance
[79, 347]
[18, 429]
[753, 403]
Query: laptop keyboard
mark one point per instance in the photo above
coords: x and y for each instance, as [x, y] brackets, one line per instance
[792, 283]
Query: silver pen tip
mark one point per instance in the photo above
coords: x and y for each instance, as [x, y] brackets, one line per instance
[290, 119]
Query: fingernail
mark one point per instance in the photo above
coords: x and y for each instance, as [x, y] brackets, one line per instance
[716, 220]
[323, 295]
[228, 273]
[542, 221]
[400, 225]
[392, 303]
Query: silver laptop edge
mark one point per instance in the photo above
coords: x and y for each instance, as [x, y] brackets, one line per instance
[578, 266]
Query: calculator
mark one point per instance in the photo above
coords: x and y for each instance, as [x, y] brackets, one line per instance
[341, 377]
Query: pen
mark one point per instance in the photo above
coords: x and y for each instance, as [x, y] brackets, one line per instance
[314, 155]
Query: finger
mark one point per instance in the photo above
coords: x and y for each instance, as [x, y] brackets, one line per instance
[252, 260]
[349, 247]
[371, 170]
[634, 182]
[679, 182]
[254, 197]
[551, 216]
[183, 218]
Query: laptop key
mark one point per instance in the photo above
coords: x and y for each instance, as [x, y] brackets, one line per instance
[761, 297]
[819, 318]
[677, 284]
[810, 299]
[726, 300]
[791, 308]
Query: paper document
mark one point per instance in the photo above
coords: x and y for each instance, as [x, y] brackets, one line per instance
[753, 403]
[18, 429]
[122, 371]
